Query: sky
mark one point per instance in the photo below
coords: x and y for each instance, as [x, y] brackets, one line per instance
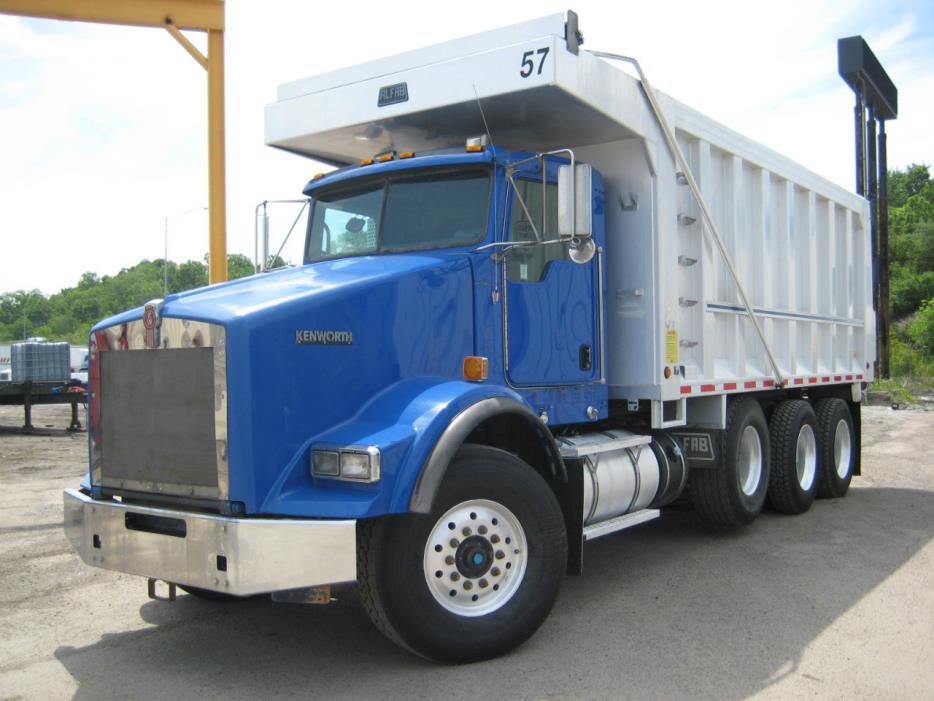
[103, 129]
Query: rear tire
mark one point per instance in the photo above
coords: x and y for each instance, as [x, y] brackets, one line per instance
[476, 590]
[733, 493]
[836, 442]
[793, 478]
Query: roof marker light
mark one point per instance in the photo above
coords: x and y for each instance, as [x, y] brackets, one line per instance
[476, 144]
[385, 157]
[407, 154]
[366, 162]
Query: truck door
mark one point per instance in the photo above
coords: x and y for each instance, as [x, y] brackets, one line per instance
[550, 329]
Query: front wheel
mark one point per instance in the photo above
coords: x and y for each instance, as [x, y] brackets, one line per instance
[476, 577]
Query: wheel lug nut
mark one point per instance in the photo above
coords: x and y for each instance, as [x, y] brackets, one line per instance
[484, 584]
[500, 554]
[482, 530]
[455, 576]
[455, 542]
[449, 560]
[494, 538]
[496, 571]
[468, 585]
[466, 531]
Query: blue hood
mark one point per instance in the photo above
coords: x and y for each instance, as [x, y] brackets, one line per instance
[409, 316]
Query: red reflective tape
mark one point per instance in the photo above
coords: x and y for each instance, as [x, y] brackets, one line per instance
[768, 383]
[812, 380]
[799, 380]
[838, 378]
[708, 388]
[729, 385]
[749, 385]
[685, 389]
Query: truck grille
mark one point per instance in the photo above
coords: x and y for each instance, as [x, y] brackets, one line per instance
[159, 415]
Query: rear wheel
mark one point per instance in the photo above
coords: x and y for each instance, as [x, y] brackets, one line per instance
[732, 494]
[476, 577]
[837, 445]
[793, 478]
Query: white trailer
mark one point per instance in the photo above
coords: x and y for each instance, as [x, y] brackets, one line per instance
[679, 332]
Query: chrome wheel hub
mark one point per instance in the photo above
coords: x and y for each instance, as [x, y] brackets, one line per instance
[806, 457]
[750, 461]
[475, 558]
[841, 449]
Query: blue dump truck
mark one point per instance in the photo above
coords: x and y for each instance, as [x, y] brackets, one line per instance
[540, 301]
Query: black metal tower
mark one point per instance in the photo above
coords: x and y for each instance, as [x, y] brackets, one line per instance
[876, 101]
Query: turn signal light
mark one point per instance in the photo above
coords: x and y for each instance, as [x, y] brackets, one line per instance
[476, 368]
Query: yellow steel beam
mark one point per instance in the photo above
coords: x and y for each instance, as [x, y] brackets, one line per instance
[200, 15]
[204, 15]
[188, 46]
[217, 193]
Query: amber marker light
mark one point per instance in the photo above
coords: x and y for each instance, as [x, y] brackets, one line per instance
[366, 162]
[667, 373]
[476, 368]
[318, 176]
[385, 157]
[407, 154]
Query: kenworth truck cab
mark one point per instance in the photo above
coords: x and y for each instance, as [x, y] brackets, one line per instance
[517, 327]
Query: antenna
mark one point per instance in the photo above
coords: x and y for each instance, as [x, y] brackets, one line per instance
[483, 116]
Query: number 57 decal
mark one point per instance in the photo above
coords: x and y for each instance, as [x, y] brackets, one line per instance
[528, 63]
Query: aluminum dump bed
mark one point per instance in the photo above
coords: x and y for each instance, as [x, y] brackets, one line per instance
[800, 243]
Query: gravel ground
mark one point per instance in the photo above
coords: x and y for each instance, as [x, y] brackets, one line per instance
[835, 603]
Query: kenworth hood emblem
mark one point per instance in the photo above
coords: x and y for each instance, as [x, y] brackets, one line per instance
[323, 338]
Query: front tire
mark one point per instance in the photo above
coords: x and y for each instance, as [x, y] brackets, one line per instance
[480, 588]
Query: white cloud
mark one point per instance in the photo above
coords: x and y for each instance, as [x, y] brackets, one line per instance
[104, 128]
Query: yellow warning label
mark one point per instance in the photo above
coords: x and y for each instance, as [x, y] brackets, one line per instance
[671, 347]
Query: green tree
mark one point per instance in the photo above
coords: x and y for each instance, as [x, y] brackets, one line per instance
[238, 265]
[904, 184]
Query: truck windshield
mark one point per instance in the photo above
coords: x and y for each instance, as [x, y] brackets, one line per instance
[399, 213]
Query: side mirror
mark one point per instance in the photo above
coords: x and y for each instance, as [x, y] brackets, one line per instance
[575, 198]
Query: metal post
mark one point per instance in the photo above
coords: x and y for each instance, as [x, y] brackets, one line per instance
[217, 199]
[872, 196]
[859, 113]
[165, 262]
[883, 311]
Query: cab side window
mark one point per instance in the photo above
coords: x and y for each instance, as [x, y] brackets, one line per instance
[529, 264]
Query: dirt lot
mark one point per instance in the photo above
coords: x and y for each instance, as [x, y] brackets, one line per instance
[836, 603]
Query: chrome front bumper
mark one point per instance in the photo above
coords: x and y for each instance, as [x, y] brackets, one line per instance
[231, 555]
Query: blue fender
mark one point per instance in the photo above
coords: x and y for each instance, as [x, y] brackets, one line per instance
[417, 424]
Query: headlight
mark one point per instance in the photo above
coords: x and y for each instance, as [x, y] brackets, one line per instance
[356, 463]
